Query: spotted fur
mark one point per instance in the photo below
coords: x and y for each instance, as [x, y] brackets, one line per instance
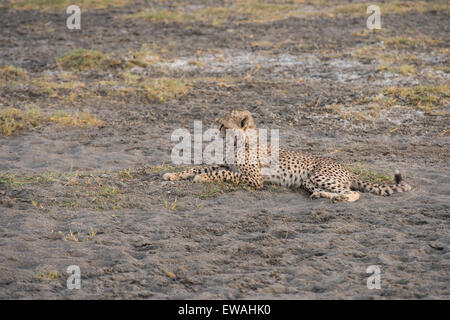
[322, 177]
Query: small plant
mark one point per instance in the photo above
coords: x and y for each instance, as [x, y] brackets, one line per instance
[125, 174]
[70, 236]
[109, 191]
[170, 205]
[92, 232]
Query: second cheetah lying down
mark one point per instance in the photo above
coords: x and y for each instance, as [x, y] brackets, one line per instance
[322, 177]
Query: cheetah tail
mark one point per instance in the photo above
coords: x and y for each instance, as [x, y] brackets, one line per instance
[381, 189]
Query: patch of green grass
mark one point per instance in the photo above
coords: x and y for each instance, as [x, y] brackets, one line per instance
[354, 116]
[401, 41]
[78, 236]
[164, 89]
[72, 236]
[425, 97]
[12, 73]
[85, 59]
[92, 232]
[6, 178]
[369, 53]
[96, 189]
[87, 194]
[404, 70]
[210, 190]
[131, 173]
[143, 57]
[160, 90]
[71, 177]
[164, 168]
[53, 89]
[104, 197]
[171, 206]
[13, 120]
[241, 11]
[392, 7]
[389, 61]
[18, 181]
[370, 175]
[109, 191]
[263, 11]
[385, 57]
[59, 5]
[76, 119]
[162, 16]
[428, 98]
[52, 275]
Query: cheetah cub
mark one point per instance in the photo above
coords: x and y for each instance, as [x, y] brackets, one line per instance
[322, 177]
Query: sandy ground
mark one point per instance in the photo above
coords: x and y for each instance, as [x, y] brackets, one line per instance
[94, 197]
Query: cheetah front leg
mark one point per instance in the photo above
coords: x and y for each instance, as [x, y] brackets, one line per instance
[190, 173]
[325, 189]
[218, 175]
[247, 175]
[316, 192]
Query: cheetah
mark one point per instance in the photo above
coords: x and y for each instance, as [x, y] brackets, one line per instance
[320, 176]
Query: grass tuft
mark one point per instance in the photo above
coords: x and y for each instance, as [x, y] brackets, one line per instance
[210, 190]
[404, 70]
[370, 175]
[402, 42]
[59, 5]
[425, 97]
[392, 7]
[11, 73]
[13, 120]
[52, 275]
[428, 98]
[171, 206]
[77, 119]
[162, 16]
[85, 59]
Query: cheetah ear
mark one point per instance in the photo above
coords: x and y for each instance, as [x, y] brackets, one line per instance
[244, 122]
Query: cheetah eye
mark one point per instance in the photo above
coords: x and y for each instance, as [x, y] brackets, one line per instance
[243, 122]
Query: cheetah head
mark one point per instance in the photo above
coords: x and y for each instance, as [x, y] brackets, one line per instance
[237, 119]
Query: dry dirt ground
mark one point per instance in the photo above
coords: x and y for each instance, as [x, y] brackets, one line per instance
[86, 137]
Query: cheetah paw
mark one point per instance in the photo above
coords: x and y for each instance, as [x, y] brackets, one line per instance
[200, 178]
[352, 196]
[339, 197]
[315, 195]
[170, 176]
